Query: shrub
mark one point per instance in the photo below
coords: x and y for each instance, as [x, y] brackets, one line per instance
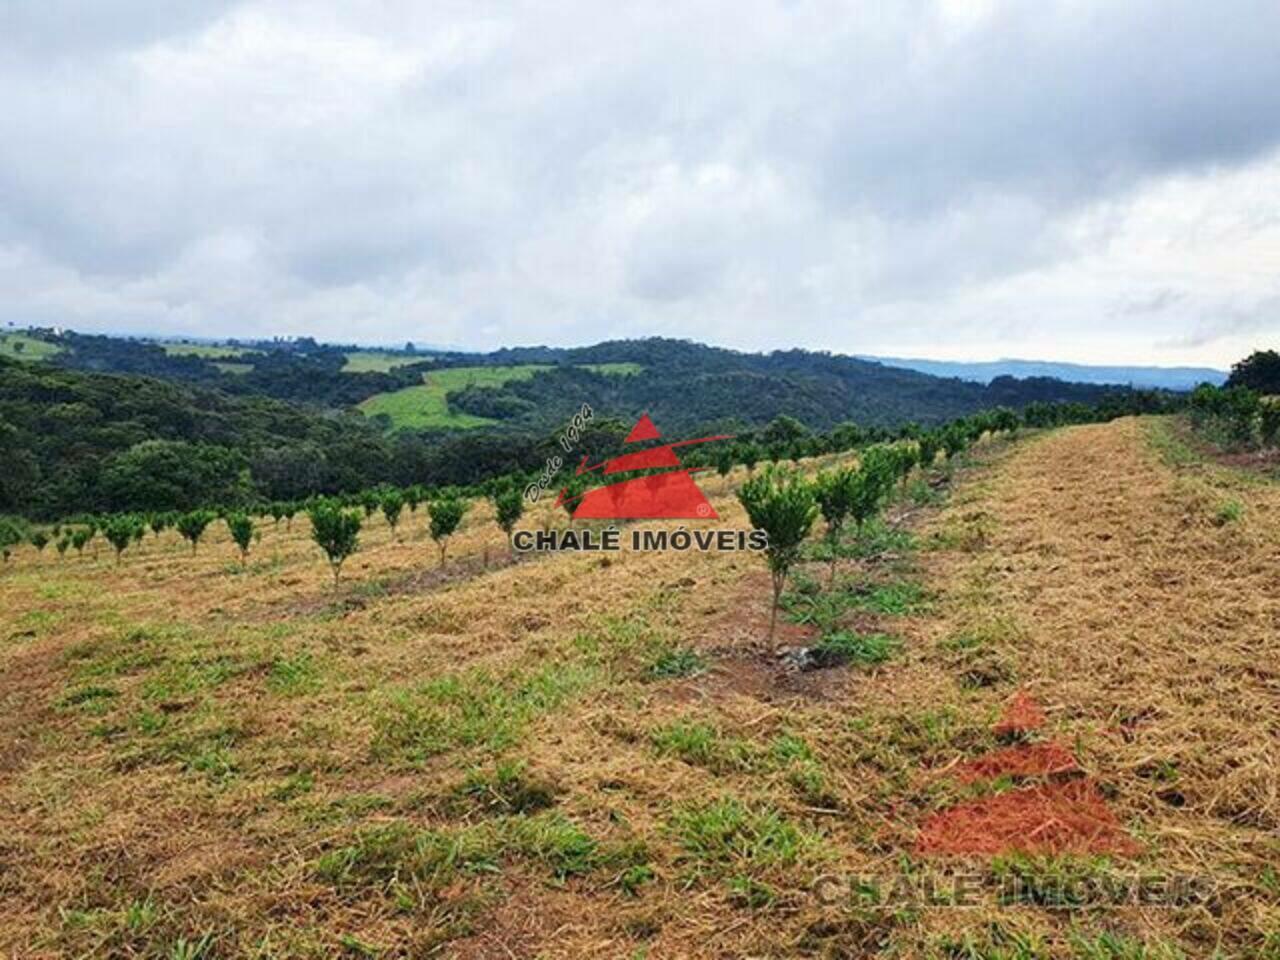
[336, 531]
[192, 526]
[508, 503]
[446, 516]
[241, 528]
[392, 508]
[782, 504]
[869, 485]
[120, 530]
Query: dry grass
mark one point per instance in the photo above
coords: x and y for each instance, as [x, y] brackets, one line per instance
[566, 757]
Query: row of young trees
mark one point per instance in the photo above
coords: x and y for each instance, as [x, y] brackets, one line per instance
[1236, 417]
[786, 504]
[337, 521]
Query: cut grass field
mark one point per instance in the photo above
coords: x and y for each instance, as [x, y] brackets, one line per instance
[19, 346]
[578, 756]
[425, 406]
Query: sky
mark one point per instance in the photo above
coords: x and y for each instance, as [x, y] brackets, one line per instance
[963, 179]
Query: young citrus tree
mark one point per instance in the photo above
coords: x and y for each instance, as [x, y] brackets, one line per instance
[871, 481]
[508, 505]
[446, 516]
[392, 508]
[336, 531]
[120, 531]
[241, 529]
[80, 538]
[192, 526]
[10, 537]
[38, 539]
[835, 492]
[782, 504]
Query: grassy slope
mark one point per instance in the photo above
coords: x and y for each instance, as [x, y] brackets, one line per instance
[32, 349]
[376, 361]
[425, 405]
[199, 751]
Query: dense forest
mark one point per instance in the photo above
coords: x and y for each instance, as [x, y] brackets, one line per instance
[164, 432]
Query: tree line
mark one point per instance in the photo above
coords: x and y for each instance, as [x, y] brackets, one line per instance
[337, 519]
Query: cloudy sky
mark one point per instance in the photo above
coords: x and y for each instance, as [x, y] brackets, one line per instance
[1094, 181]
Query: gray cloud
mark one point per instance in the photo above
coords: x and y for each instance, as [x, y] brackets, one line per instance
[960, 177]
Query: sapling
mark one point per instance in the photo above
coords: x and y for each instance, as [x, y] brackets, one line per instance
[80, 538]
[192, 526]
[392, 508]
[446, 515]
[120, 530]
[160, 522]
[872, 480]
[508, 504]
[10, 537]
[834, 492]
[336, 531]
[782, 504]
[724, 462]
[38, 539]
[241, 529]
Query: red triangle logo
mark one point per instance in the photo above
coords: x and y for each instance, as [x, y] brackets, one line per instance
[643, 430]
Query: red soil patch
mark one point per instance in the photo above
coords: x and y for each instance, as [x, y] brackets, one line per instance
[1021, 716]
[1068, 817]
[1023, 760]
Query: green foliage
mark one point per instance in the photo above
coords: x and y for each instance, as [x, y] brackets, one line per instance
[392, 508]
[1235, 417]
[193, 525]
[446, 516]
[80, 538]
[835, 493]
[11, 534]
[676, 662]
[783, 505]
[508, 504]
[38, 539]
[335, 531]
[120, 531]
[1260, 372]
[871, 483]
[863, 649]
[241, 529]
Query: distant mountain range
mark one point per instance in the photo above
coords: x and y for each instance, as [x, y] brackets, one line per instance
[1167, 378]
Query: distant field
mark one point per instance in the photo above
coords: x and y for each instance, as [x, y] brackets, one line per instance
[377, 361]
[425, 406]
[208, 351]
[234, 367]
[21, 347]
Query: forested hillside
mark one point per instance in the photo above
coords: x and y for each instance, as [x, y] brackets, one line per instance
[684, 384]
[188, 432]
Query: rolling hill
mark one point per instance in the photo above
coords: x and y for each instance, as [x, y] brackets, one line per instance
[1149, 378]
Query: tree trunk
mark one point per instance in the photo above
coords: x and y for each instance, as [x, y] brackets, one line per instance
[778, 580]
